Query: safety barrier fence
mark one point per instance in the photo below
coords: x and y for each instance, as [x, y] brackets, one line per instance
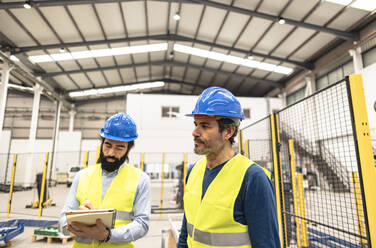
[23, 171]
[320, 154]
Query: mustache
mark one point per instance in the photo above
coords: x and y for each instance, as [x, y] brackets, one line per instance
[112, 157]
[197, 139]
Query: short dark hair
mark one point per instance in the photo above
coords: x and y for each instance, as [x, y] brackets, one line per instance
[227, 123]
[130, 145]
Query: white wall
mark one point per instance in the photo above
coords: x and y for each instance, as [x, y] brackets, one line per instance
[157, 134]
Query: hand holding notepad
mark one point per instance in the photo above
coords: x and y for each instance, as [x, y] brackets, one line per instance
[89, 217]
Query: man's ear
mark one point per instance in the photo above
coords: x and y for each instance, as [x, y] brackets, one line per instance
[228, 132]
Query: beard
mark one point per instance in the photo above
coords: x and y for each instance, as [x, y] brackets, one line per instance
[207, 147]
[197, 150]
[111, 166]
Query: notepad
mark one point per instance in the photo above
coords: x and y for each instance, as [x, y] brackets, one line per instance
[89, 217]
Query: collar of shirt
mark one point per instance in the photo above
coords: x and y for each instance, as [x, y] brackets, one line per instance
[115, 172]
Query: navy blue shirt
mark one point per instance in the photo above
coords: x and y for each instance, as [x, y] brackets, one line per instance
[254, 206]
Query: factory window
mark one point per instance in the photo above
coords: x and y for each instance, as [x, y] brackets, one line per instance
[247, 113]
[295, 96]
[369, 57]
[335, 75]
[170, 112]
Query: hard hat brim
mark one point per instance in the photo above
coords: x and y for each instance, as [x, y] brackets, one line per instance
[107, 136]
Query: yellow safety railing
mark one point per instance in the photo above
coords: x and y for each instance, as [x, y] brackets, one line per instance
[98, 154]
[86, 159]
[302, 210]
[294, 191]
[359, 208]
[367, 170]
[184, 170]
[12, 184]
[240, 141]
[43, 185]
[142, 161]
[277, 178]
[246, 149]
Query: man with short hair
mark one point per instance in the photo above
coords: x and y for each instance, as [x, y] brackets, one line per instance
[229, 200]
[111, 184]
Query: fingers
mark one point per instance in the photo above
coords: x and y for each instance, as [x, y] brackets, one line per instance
[99, 222]
[86, 206]
[75, 231]
[89, 205]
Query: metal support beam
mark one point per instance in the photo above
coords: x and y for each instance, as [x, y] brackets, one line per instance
[356, 54]
[341, 34]
[3, 92]
[28, 181]
[166, 63]
[31, 80]
[162, 37]
[48, 3]
[54, 139]
[72, 114]
[310, 86]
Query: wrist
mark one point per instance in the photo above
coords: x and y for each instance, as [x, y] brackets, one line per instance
[108, 237]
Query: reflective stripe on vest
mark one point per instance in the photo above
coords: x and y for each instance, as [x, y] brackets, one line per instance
[123, 215]
[219, 239]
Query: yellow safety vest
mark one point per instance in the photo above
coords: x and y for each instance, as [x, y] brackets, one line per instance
[210, 221]
[120, 196]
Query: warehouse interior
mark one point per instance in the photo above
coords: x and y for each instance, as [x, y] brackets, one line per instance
[67, 66]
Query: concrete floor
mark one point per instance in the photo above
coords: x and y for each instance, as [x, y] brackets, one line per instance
[152, 240]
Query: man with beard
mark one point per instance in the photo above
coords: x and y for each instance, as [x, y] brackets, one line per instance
[111, 184]
[229, 200]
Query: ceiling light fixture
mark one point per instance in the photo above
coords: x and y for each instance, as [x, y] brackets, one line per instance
[20, 87]
[232, 59]
[14, 58]
[27, 5]
[62, 49]
[281, 21]
[99, 53]
[116, 89]
[250, 57]
[177, 16]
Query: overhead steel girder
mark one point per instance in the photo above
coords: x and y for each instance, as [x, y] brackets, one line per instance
[339, 33]
[31, 80]
[165, 63]
[49, 3]
[164, 37]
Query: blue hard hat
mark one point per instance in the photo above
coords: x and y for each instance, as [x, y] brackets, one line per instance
[218, 101]
[119, 127]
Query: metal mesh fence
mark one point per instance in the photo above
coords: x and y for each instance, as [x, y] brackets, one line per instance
[166, 193]
[258, 136]
[322, 197]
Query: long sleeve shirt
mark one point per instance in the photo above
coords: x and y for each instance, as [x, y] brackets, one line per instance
[254, 206]
[141, 208]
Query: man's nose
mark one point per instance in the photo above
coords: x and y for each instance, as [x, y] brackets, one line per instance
[195, 132]
[111, 152]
